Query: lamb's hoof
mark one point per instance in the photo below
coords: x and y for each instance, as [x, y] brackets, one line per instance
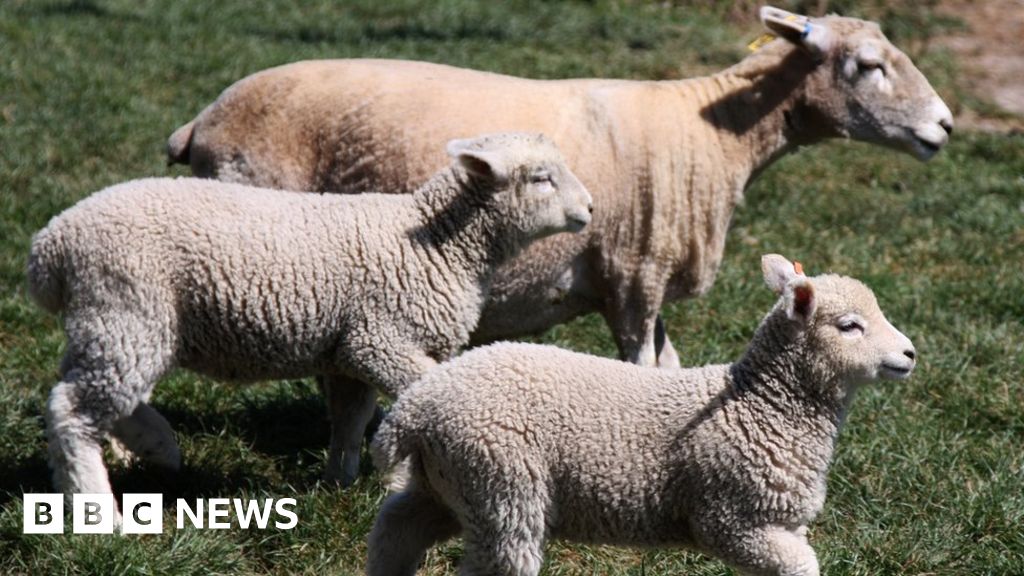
[399, 478]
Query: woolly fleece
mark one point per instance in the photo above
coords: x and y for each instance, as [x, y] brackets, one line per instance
[241, 283]
[513, 444]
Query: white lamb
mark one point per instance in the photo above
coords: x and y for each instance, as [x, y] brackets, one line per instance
[240, 283]
[513, 444]
[667, 162]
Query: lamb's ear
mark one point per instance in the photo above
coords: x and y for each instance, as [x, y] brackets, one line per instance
[486, 165]
[778, 272]
[800, 299]
[798, 29]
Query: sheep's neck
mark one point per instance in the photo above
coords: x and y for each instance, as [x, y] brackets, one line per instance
[757, 109]
[461, 226]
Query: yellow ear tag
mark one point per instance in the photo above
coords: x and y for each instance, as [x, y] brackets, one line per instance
[798, 268]
[768, 36]
[760, 41]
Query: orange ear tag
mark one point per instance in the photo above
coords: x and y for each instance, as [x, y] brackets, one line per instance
[799, 268]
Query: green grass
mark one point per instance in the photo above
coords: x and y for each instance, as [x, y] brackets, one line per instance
[929, 473]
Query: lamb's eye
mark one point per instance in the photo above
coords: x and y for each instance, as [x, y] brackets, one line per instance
[866, 66]
[540, 178]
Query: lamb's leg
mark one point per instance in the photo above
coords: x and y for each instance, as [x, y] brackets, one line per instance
[505, 517]
[408, 524]
[350, 405]
[502, 552]
[73, 435]
[112, 362]
[148, 435]
[390, 366]
[770, 551]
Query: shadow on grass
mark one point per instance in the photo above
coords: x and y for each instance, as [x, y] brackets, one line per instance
[269, 439]
[30, 475]
[76, 8]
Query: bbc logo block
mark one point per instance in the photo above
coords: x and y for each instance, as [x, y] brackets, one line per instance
[43, 514]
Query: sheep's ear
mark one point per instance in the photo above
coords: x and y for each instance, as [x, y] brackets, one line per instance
[778, 272]
[798, 29]
[800, 300]
[486, 165]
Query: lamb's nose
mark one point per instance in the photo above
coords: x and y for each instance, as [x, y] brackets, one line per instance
[590, 208]
[910, 354]
[947, 125]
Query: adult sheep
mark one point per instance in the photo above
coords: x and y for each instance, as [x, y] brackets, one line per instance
[667, 162]
[246, 284]
[513, 444]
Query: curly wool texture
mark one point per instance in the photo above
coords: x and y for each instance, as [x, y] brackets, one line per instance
[243, 283]
[667, 161]
[516, 443]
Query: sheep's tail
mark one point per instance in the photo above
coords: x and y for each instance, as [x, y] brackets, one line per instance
[46, 271]
[179, 145]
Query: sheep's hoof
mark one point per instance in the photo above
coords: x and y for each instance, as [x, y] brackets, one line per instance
[341, 480]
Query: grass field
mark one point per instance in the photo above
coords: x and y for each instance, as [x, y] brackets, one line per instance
[929, 474]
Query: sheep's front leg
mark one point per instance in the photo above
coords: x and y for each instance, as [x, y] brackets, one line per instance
[632, 315]
[350, 406]
[771, 551]
[667, 355]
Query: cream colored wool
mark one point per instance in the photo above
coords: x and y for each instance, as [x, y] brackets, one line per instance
[249, 284]
[514, 444]
[667, 161]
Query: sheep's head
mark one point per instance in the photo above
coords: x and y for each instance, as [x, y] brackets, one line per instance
[527, 180]
[863, 87]
[845, 338]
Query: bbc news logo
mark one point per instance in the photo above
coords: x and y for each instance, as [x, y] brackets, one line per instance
[144, 513]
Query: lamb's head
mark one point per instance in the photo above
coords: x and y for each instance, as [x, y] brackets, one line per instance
[863, 87]
[841, 336]
[527, 180]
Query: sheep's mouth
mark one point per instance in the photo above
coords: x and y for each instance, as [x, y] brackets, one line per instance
[575, 224]
[897, 372]
[931, 147]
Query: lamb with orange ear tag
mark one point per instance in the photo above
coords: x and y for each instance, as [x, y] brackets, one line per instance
[513, 444]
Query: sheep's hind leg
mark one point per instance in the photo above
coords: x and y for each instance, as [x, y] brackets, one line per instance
[503, 554]
[148, 435]
[505, 526]
[112, 362]
[407, 526]
[350, 405]
[76, 455]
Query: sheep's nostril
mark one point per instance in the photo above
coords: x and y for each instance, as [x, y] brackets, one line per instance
[910, 354]
[590, 208]
[946, 125]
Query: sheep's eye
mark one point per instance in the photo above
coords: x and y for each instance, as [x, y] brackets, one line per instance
[540, 178]
[850, 327]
